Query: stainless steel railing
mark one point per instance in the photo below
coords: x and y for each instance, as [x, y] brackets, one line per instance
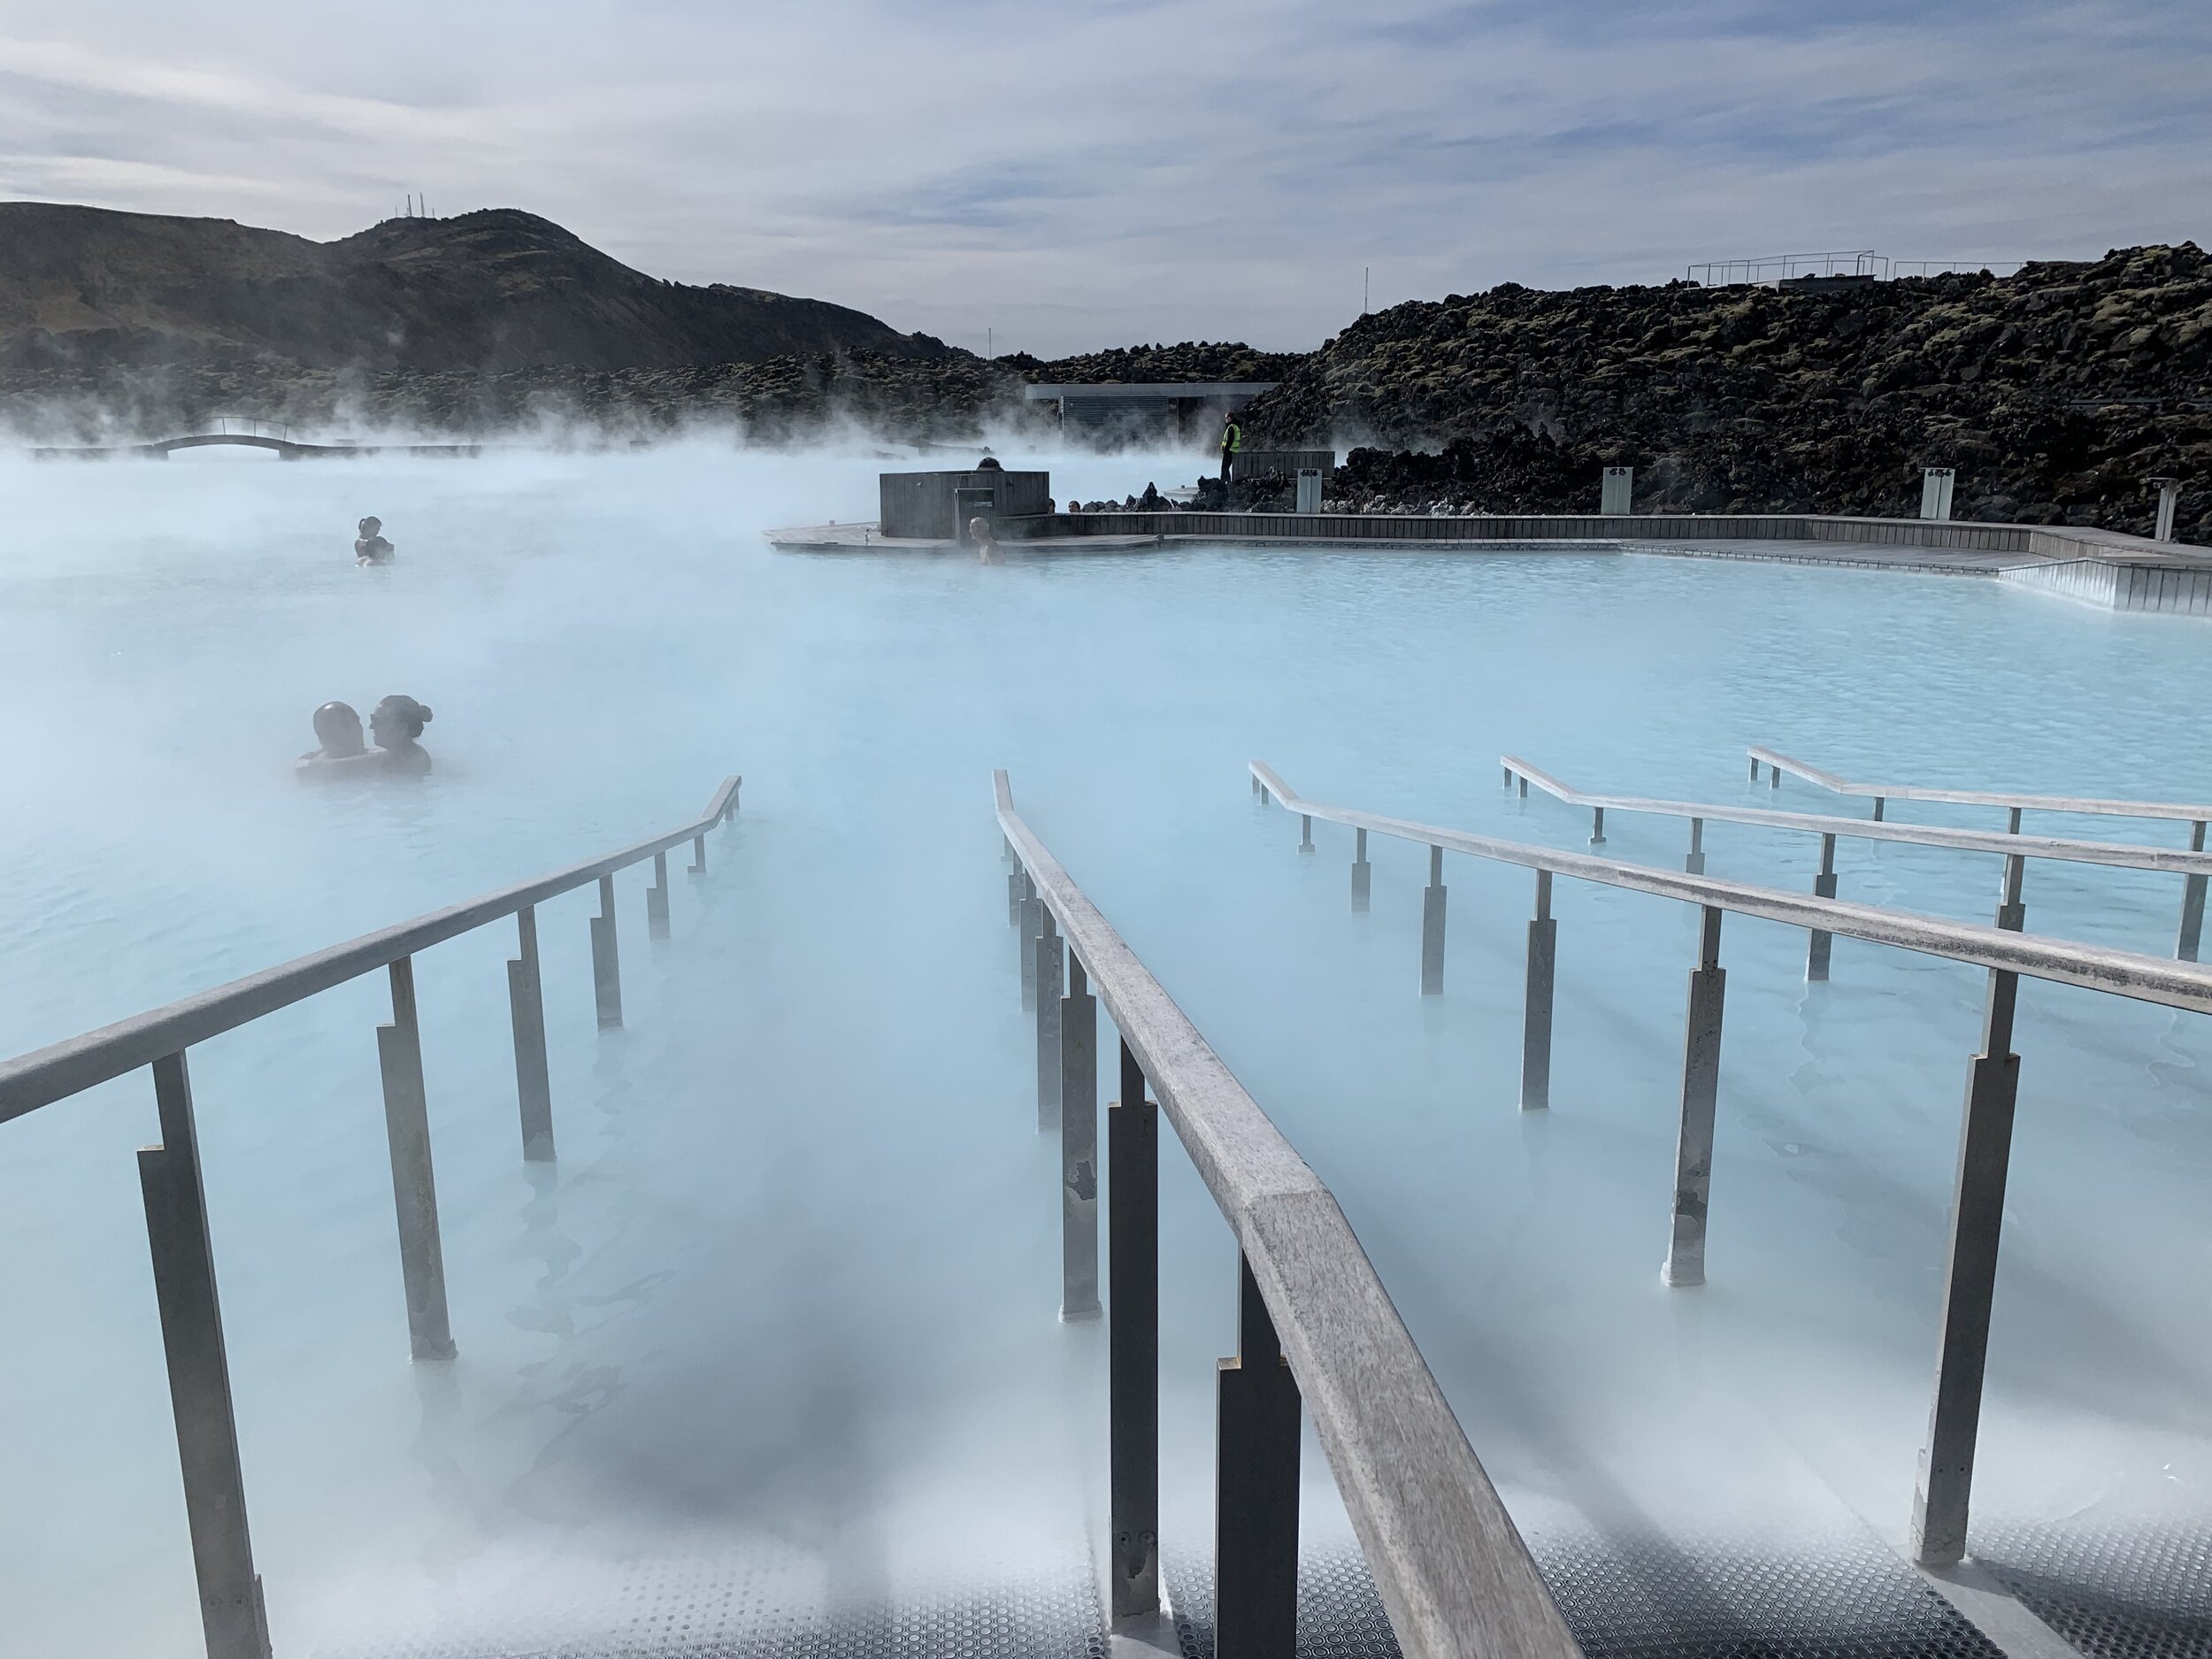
[2194, 865]
[1315, 1324]
[232, 1613]
[1940, 1505]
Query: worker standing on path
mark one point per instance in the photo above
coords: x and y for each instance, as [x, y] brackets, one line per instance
[1232, 441]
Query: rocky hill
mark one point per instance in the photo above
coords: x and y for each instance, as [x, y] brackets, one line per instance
[2055, 393]
[85, 291]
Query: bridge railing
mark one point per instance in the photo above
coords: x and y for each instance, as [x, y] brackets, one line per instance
[2193, 866]
[232, 1613]
[1315, 1324]
[1940, 1505]
[250, 427]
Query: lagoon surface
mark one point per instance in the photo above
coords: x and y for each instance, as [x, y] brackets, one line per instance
[788, 1298]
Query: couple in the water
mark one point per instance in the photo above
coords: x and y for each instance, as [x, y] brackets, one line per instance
[395, 724]
[370, 547]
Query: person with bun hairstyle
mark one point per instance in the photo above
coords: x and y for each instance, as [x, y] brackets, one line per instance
[395, 724]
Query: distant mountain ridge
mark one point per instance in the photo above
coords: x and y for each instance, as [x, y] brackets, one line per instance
[493, 291]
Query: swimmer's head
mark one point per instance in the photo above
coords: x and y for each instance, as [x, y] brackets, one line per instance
[371, 526]
[338, 728]
[398, 720]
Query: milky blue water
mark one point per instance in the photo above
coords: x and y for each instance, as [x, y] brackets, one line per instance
[790, 1291]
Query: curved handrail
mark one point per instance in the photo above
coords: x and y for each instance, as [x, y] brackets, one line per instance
[2121, 854]
[65, 1068]
[2087, 805]
[1454, 1574]
[2171, 984]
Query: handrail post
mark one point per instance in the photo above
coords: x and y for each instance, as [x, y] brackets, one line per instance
[414, 1188]
[698, 865]
[1543, 945]
[1133, 1337]
[656, 899]
[2012, 914]
[2192, 931]
[1597, 826]
[1433, 927]
[606, 959]
[1694, 861]
[1755, 768]
[1362, 872]
[231, 1611]
[1255, 1489]
[1305, 832]
[1970, 1279]
[1700, 1089]
[1032, 907]
[525, 1001]
[1880, 802]
[1819, 944]
[1079, 1147]
[1051, 972]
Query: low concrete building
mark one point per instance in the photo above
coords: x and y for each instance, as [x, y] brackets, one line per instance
[936, 506]
[1252, 464]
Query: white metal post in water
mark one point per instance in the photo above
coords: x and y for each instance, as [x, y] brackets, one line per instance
[1935, 491]
[1543, 947]
[1700, 1089]
[1362, 872]
[1819, 942]
[1969, 1280]
[606, 959]
[1433, 927]
[1051, 972]
[525, 1001]
[414, 1189]
[1079, 1147]
[2192, 931]
[231, 1614]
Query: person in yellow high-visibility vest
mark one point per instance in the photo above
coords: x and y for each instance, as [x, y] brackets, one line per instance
[1232, 441]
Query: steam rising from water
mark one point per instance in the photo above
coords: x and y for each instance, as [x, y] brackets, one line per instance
[789, 1293]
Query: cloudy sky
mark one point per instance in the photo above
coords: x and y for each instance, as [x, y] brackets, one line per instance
[1073, 176]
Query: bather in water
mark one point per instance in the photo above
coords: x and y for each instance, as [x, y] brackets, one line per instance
[338, 731]
[395, 723]
[370, 547]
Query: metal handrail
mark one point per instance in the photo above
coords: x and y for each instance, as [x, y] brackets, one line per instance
[1941, 1501]
[2196, 865]
[2093, 967]
[232, 1613]
[76, 1063]
[2086, 805]
[1454, 1575]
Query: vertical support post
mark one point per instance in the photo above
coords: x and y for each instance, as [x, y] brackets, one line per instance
[2192, 931]
[1256, 1490]
[606, 959]
[1433, 927]
[1879, 803]
[414, 1190]
[1014, 896]
[231, 1613]
[1755, 768]
[1305, 832]
[1079, 1147]
[1132, 1244]
[1700, 1087]
[1820, 943]
[1969, 1280]
[698, 865]
[1694, 863]
[525, 1002]
[2011, 912]
[1597, 826]
[1509, 776]
[1774, 777]
[656, 899]
[1031, 906]
[1543, 944]
[1051, 972]
[2012, 822]
[1523, 788]
[1362, 872]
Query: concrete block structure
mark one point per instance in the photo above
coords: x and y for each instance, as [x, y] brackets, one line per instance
[1113, 411]
[1935, 491]
[936, 506]
[1614, 495]
[1253, 464]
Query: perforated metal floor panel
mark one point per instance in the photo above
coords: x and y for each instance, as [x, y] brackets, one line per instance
[2113, 1592]
[1660, 1600]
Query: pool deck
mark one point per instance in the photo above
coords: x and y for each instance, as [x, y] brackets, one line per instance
[2097, 567]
